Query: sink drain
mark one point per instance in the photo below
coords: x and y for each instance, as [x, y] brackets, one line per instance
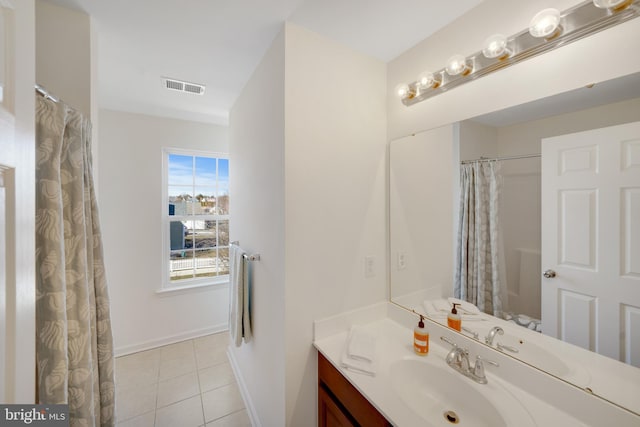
[452, 417]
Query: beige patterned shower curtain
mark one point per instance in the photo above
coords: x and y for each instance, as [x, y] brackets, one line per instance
[479, 275]
[73, 337]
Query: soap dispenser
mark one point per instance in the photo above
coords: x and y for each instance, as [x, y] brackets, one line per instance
[421, 338]
[453, 319]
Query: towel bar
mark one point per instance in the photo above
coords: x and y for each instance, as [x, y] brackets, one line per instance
[252, 257]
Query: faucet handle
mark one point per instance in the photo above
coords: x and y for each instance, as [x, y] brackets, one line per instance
[478, 369]
[471, 332]
[507, 347]
[448, 341]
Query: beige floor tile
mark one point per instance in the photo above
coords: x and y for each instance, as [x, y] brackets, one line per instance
[135, 400]
[221, 402]
[139, 368]
[210, 356]
[178, 350]
[144, 420]
[186, 413]
[177, 365]
[178, 388]
[237, 419]
[216, 376]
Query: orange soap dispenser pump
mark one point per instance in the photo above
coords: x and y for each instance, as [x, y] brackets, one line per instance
[421, 338]
[454, 320]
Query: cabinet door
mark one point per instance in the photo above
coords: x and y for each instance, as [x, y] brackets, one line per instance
[330, 414]
[352, 406]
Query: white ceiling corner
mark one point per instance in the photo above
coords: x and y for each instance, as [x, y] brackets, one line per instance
[218, 43]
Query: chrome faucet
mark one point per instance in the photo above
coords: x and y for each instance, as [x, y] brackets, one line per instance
[458, 359]
[492, 334]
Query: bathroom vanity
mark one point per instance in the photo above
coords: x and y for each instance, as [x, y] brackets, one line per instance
[340, 403]
[409, 390]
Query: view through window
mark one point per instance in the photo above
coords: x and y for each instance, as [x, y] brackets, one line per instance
[197, 217]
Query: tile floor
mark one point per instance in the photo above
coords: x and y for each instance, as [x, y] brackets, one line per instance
[187, 384]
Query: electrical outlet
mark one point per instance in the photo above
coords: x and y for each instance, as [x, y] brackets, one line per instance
[369, 267]
[401, 262]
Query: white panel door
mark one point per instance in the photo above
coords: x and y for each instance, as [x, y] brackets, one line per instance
[591, 240]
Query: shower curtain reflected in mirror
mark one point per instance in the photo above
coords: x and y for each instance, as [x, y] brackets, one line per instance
[73, 328]
[480, 273]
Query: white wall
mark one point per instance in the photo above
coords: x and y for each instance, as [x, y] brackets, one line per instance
[312, 199]
[477, 140]
[130, 170]
[67, 62]
[335, 178]
[419, 165]
[63, 54]
[575, 65]
[256, 125]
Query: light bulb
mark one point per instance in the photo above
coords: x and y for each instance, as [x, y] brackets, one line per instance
[496, 47]
[402, 90]
[615, 5]
[426, 79]
[457, 64]
[545, 23]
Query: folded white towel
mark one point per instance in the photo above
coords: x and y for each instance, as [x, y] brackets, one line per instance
[436, 313]
[432, 311]
[361, 344]
[359, 366]
[465, 306]
[442, 305]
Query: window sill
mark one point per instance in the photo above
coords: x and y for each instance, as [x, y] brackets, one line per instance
[186, 289]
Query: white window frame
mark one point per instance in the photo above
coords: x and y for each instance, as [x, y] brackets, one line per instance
[166, 284]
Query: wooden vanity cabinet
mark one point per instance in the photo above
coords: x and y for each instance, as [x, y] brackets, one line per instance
[340, 404]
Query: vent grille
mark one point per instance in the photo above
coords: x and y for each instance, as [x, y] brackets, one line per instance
[182, 86]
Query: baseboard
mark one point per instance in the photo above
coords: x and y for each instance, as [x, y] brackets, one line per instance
[244, 392]
[172, 339]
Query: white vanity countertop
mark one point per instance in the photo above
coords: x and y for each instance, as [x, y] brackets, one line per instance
[395, 342]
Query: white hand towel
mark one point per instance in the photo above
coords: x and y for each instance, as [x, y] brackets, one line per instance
[439, 314]
[465, 307]
[361, 344]
[442, 305]
[432, 311]
[355, 365]
[239, 310]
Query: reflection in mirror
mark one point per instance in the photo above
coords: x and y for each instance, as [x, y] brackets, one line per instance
[557, 210]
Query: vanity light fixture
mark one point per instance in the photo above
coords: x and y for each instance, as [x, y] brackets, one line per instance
[545, 23]
[614, 5]
[496, 46]
[458, 65]
[427, 80]
[404, 91]
[548, 30]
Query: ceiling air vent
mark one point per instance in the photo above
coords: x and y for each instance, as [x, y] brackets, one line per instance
[182, 86]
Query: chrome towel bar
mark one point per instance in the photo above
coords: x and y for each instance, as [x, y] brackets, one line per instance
[252, 257]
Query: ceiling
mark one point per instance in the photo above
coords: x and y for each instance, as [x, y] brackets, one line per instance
[218, 43]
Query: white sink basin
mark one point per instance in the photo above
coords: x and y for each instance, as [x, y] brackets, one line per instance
[543, 359]
[441, 396]
[536, 355]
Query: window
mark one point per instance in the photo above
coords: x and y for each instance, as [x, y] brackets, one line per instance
[196, 218]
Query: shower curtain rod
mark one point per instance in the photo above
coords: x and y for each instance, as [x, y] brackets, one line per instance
[45, 93]
[487, 159]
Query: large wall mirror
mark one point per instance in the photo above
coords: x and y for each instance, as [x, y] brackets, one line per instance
[564, 255]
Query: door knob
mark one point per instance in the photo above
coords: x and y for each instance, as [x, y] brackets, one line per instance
[549, 274]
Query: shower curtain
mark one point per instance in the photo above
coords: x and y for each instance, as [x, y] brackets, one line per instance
[478, 277]
[74, 349]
